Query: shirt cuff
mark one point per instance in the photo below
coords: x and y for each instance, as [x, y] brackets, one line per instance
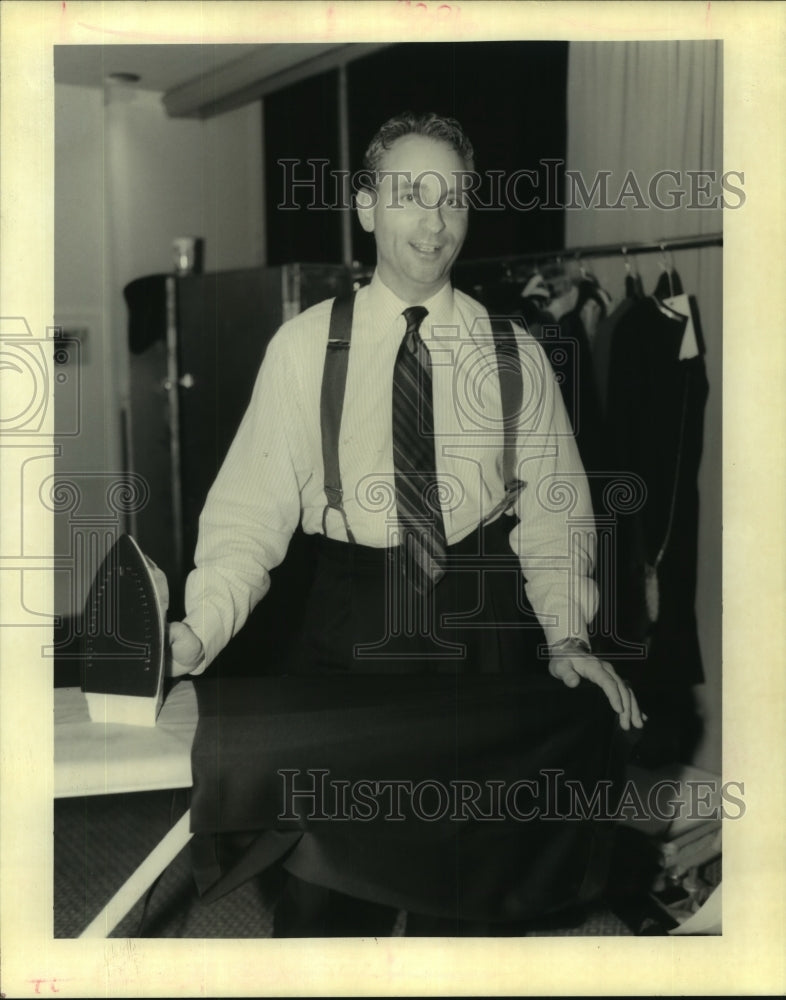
[558, 642]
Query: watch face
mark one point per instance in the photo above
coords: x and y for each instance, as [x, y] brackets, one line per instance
[124, 641]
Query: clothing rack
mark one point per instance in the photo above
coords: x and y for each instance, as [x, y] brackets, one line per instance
[608, 250]
[361, 273]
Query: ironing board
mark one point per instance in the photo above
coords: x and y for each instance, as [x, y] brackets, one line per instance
[94, 758]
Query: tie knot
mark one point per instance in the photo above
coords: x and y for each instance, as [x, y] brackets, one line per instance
[414, 315]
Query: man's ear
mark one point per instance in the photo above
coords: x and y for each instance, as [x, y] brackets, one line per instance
[365, 206]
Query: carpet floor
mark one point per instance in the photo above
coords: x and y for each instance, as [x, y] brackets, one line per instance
[99, 841]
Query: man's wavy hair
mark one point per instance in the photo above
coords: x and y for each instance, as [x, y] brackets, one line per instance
[429, 124]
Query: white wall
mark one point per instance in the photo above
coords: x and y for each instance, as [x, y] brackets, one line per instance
[81, 301]
[179, 177]
[127, 181]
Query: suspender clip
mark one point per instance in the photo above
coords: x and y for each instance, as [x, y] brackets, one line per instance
[335, 497]
[512, 491]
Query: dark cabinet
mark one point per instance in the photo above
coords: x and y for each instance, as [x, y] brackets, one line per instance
[194, 356]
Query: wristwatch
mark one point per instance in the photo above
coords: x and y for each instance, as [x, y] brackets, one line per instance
[571, 643]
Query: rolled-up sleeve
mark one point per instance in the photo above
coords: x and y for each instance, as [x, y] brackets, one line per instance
[251, 511]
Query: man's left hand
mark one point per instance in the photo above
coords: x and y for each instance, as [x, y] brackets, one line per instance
[571, 667]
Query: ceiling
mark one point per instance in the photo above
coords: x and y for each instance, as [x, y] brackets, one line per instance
[160, 67]
[198, 80]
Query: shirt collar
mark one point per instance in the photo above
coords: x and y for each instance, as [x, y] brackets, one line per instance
[386, 309]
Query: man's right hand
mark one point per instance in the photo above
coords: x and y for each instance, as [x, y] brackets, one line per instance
[185, 650]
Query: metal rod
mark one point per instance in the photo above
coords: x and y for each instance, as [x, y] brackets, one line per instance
[261, 228]
[173, 390]
[606, 250]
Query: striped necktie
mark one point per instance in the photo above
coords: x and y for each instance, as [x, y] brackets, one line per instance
[417, 495]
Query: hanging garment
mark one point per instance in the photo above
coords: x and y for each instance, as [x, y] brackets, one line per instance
[604, 334]
[601, 349]
[567, 347]
[146, 301]
[571, 358]
[654, 428]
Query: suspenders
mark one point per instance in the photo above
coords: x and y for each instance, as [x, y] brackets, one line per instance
[331, 406]
[511, 390]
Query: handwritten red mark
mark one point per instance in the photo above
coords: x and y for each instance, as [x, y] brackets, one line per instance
[425, 8]
[39, 982]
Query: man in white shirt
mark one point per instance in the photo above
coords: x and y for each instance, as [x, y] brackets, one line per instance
[274, 475]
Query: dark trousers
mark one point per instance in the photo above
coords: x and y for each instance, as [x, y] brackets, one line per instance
[361, 617]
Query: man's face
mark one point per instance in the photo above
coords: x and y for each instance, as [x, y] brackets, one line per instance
[419, 220]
